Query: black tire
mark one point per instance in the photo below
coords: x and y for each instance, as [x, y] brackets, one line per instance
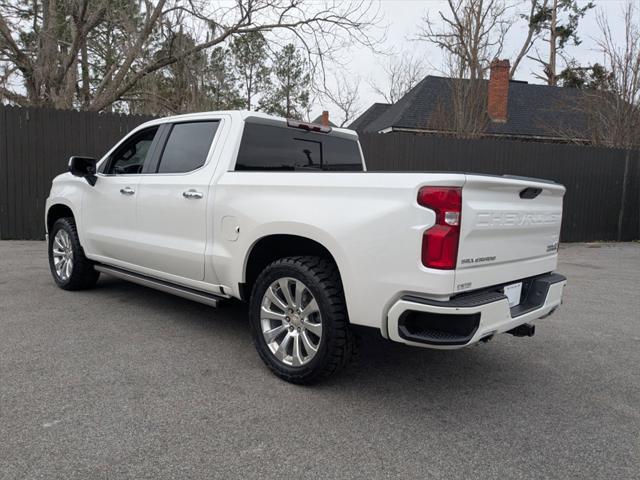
[83, 275]
[337, 343]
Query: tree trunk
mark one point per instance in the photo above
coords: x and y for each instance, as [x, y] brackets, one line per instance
[249, 90]
[553, 36]
[288, 96]
[86, 92]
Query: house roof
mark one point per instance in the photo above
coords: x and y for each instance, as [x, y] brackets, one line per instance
[369, 115]
[538, 111]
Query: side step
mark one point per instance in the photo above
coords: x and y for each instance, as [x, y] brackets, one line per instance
[184, 292]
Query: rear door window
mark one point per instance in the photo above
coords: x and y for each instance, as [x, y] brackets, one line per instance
[272, 148]
[187, 147]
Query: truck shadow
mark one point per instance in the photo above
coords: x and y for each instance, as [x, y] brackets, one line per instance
[381, 367]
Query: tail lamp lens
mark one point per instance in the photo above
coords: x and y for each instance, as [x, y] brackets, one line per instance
[440, 242]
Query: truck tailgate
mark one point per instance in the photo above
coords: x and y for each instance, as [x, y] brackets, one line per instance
[510, 229]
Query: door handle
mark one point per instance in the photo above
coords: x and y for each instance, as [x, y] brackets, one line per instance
[191, 193]
[127, 191]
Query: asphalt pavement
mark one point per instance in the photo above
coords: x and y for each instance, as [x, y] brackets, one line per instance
[127, 382]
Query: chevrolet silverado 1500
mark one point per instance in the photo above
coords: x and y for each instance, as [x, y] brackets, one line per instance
[284, 215]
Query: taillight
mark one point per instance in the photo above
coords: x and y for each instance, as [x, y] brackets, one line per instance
[440, 242]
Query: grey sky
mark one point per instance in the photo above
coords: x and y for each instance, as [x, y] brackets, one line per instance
[403, 19]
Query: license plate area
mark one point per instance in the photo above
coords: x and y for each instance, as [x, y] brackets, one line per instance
[513, 293]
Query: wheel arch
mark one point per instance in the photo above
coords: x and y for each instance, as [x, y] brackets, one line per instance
[56, 211]
[275, 246]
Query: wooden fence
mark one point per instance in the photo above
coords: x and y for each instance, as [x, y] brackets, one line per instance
[35, 145]
[596, 206]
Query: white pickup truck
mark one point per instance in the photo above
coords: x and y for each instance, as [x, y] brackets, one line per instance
[283, 214]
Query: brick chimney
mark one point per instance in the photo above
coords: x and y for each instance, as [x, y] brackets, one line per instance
[325, 118]
[498, 98]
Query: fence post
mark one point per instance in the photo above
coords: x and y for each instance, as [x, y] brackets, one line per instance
[623, 194]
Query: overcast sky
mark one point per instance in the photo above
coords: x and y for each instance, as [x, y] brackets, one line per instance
[403, 19]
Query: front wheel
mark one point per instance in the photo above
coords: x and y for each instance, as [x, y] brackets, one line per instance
[299, 319]
[70, 268]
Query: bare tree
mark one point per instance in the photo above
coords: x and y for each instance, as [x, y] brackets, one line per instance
[345, 96]
[617, 113]
[472, 35]
[610, 96]
[402, 73]
[472, 30]
[50, 71]
[615, 110]
[461, 110]
[44, 41]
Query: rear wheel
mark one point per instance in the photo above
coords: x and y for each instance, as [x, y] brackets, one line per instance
[299, 319]
[70, 268]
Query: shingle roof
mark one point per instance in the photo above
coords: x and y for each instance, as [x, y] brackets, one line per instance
[370, 114]
[533, 110]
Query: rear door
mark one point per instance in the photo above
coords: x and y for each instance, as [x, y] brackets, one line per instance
[510, 229]
[172, 203]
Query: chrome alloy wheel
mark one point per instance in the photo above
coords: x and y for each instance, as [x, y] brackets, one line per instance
[62, 255]
[291, 322]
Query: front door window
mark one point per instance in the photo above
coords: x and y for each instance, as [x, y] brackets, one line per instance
[129, 158]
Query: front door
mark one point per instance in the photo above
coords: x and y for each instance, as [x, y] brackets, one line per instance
[172, 202]
[109, 207]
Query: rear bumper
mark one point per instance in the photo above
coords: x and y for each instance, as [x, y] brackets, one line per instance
[469, 318]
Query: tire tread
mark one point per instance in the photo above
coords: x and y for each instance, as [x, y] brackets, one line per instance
[83, 276]
[340, 341]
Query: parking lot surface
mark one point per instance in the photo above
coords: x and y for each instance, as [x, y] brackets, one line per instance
[127, 382]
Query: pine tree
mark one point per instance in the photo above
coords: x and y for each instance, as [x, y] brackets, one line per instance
[221, 82]
[289, 96]
[559, 20]
[250, 62]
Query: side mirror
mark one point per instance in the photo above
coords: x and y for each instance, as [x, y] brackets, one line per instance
[84, 167]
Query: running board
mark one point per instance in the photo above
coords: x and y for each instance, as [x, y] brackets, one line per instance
[184, 292]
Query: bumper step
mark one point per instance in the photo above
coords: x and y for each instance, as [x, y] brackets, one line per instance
[470, 317]
[438, 329]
